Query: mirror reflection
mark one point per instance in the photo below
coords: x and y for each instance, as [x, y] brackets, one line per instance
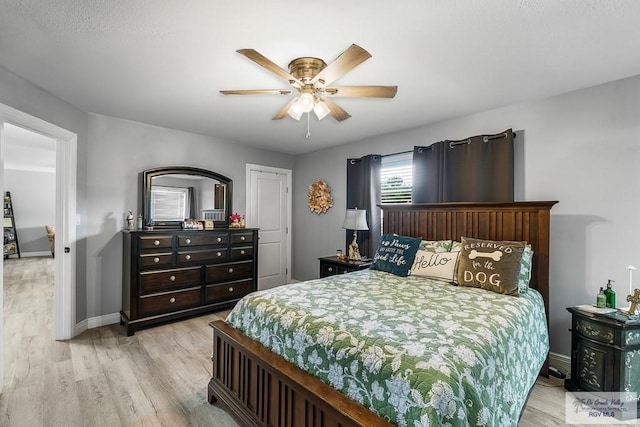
[176, 197]
[172, 194]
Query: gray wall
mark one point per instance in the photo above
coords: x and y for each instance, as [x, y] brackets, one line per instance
[111, 152]
[34, 205]
[581, 148]
[118, 151]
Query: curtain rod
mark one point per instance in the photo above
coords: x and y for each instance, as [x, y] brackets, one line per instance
[486, 138]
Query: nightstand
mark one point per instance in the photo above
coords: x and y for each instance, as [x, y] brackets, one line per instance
[332, 265]
[605, 353]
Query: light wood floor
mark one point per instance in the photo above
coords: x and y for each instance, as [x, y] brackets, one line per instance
[158, 377]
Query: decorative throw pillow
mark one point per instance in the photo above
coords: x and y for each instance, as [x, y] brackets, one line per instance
[525, 269]
[435, 245]
[395, 254]
[436, 265]
[491, 265]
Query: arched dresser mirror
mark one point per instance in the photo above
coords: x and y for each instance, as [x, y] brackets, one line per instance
[174, 193]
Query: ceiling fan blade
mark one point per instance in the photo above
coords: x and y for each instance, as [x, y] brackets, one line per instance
[283, 112]
[349, 59]
[257, 92]
[336, 111]
[266, 63]
[362, 91]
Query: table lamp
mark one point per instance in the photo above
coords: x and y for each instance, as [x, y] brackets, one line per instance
[355, 220]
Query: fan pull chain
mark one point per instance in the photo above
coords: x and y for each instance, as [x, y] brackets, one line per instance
[308, 131]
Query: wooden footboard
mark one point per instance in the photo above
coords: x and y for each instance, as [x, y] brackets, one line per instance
[260, 388]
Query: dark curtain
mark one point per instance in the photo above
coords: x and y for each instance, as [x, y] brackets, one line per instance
[427, 180]
[363, 192]
[475, 169]
[192, 203]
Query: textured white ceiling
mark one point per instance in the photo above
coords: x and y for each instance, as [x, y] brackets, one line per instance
[163, 62]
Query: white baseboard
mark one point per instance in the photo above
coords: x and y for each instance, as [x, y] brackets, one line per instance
[35, 254]
[96, 322]
[561, 362]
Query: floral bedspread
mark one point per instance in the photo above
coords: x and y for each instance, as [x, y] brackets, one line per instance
[416, 351]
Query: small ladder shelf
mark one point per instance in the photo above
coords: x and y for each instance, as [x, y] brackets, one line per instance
[11, 246]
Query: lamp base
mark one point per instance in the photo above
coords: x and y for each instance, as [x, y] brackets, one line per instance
[354, 251]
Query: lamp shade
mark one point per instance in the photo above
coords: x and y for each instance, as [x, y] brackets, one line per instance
[355, 219]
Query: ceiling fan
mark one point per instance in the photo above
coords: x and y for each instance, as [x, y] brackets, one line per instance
[311, 77]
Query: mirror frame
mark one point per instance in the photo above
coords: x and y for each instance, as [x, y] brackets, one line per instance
[148, 174]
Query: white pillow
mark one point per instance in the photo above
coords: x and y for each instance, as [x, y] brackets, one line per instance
[441, 265]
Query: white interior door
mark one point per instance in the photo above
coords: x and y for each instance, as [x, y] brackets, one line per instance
[268, 208]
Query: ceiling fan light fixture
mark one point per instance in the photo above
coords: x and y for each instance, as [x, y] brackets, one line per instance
[305, 102]
[295, 111]
[321, 109]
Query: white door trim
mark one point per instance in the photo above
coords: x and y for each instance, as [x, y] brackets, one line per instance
[65, 221]
[289, 173]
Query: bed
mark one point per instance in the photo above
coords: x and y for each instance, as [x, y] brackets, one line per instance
[263, 386]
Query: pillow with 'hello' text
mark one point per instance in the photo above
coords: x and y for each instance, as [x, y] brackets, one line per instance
[435, 265]
[395, 254]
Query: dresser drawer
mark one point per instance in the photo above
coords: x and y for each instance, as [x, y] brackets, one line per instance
[229, 291]
[595, 331]
[331, 269]
[169, 279]
[241, 238]
[244, 252]
[203, 239]
[208, 255]
[157, 260]
[170, 301]
[155, 242]
[229, 272]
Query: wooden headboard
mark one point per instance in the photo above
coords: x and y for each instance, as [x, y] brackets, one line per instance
[516, 221]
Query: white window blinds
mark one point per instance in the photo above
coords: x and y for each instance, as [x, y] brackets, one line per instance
[396, 178]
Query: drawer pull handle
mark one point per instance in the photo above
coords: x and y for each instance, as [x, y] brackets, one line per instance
[172, 300]
[242, 238]
[156, 259]
[330, 268]
[172, 278]
[218, 253]
[230, 288]
[188, 241]
[188, 257]
[219, 239]
[231, 270]
[242, 252]
[156, 242]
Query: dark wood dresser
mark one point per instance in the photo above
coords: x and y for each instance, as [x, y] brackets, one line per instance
[605, 353]
[170, 274]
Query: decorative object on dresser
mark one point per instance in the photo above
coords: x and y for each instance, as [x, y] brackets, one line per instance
[605, 352]
[355, 220]
[333, 265]
[170, 274]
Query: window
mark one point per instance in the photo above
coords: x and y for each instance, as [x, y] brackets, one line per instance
[396, 178]
[169, 203]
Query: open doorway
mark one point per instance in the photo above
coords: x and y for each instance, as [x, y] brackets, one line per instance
[65, 217]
